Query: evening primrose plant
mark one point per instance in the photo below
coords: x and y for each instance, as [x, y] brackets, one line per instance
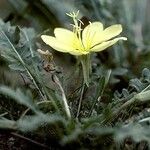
[51, 112]
[82, 42]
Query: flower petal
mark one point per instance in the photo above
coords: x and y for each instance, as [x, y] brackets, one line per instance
[107, 44]
[57, 45]
[90, 34]
[68, 37]
[110, 32]
[64, 35]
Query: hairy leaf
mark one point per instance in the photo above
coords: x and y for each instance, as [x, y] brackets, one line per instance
[20, 97]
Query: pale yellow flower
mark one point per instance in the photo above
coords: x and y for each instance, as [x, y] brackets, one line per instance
[93, 38]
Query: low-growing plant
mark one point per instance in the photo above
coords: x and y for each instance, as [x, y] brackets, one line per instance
[74, 102]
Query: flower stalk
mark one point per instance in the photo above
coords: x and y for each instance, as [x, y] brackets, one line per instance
[82, 42]
[86, 68]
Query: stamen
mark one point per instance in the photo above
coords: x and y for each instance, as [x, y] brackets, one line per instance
[77, 28]
[73, 14]
[81, 21]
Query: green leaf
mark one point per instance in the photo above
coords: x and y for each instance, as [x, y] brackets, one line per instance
[103, 81]
[136, 131]
[31, 123]
[146, 75]
[100, 87]
[16, 44]
[20, 97]
[8, 124]
[19, 52]
[137, 84]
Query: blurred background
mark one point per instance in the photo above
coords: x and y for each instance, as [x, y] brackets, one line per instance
[126, 59]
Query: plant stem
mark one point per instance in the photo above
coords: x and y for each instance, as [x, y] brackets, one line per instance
[80, 100]
[86, 67]
[29, 140]
[63, 97]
